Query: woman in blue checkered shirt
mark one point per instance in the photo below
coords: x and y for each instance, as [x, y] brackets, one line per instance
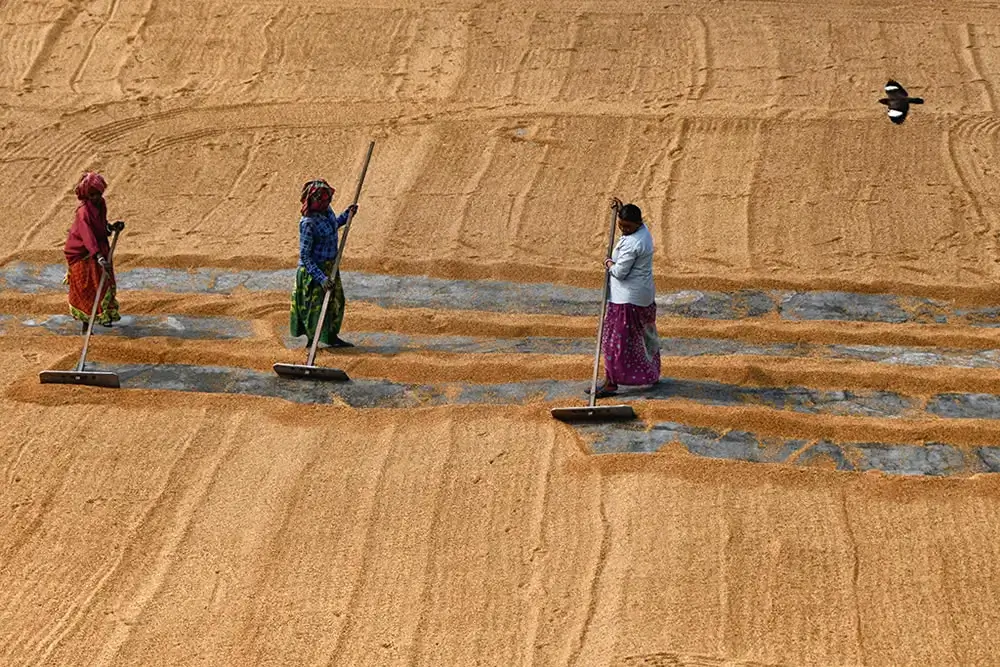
[317, 251]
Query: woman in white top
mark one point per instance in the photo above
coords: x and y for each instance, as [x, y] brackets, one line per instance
[630, 343]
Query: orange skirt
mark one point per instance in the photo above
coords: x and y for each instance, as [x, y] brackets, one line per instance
[83, 278]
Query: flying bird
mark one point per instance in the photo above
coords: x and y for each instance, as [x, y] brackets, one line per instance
[898, 101]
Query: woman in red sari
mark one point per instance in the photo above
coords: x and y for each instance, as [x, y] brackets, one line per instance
[88, 253]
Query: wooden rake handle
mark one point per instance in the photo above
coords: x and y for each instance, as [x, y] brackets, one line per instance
[604, 305]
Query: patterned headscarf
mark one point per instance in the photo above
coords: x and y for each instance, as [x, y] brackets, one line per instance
[316, 196]
[90, 183]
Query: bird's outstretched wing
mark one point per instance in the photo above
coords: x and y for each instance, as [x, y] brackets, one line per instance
[894, 89]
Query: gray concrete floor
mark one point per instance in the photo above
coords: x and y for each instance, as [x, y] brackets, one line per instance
[540, 298]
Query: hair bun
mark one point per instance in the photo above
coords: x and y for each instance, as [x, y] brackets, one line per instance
[630, 213]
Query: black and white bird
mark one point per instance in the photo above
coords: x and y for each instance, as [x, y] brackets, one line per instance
[898, 101]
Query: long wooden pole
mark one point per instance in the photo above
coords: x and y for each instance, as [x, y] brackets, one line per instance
[604, 305]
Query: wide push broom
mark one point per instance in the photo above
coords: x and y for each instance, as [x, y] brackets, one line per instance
[78, 375]
[594, 412]
[310, 370]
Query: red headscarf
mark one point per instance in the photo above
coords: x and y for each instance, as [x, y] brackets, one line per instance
[90, 183]
[316, 196]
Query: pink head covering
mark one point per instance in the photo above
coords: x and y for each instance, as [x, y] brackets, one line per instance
[90, 183]
[316, 196]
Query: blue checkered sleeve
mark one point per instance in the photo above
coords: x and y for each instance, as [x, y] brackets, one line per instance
[312, 247]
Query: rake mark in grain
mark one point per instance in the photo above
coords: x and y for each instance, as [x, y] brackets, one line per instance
[248, 159]
[393, 77]
[625, 148]
[456, 51]
[50, 141]
[12, 466]
[750, 251]
[190, 494]
[401, 66]
[515, 216]
[456, 231]
[117, 129]
[521, 65]
[701, 58]
[449, 470]
[673, 155]
[249, 634]
[956, 164]
[974, 60]
[408, 181]
[66, 18]
[172, 140]
[646, 186]
[350, 612]
[267, 55]
[132, 41]
[69, 153]
[71, 617]
[641, 37]
[966, 175]
[855, 571]
[140, 31]
[595, 580]
[537, 540]
[12, 547]
[665, 659]
[571, 48]
[77, 75]
[75, 611]
[775, 51]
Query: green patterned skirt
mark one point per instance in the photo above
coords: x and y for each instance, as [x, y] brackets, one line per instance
[83, 278]
[307, 301]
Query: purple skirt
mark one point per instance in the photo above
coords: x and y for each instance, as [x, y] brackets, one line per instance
[631, 345]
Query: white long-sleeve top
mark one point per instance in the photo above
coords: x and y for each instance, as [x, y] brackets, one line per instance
[632, 271]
